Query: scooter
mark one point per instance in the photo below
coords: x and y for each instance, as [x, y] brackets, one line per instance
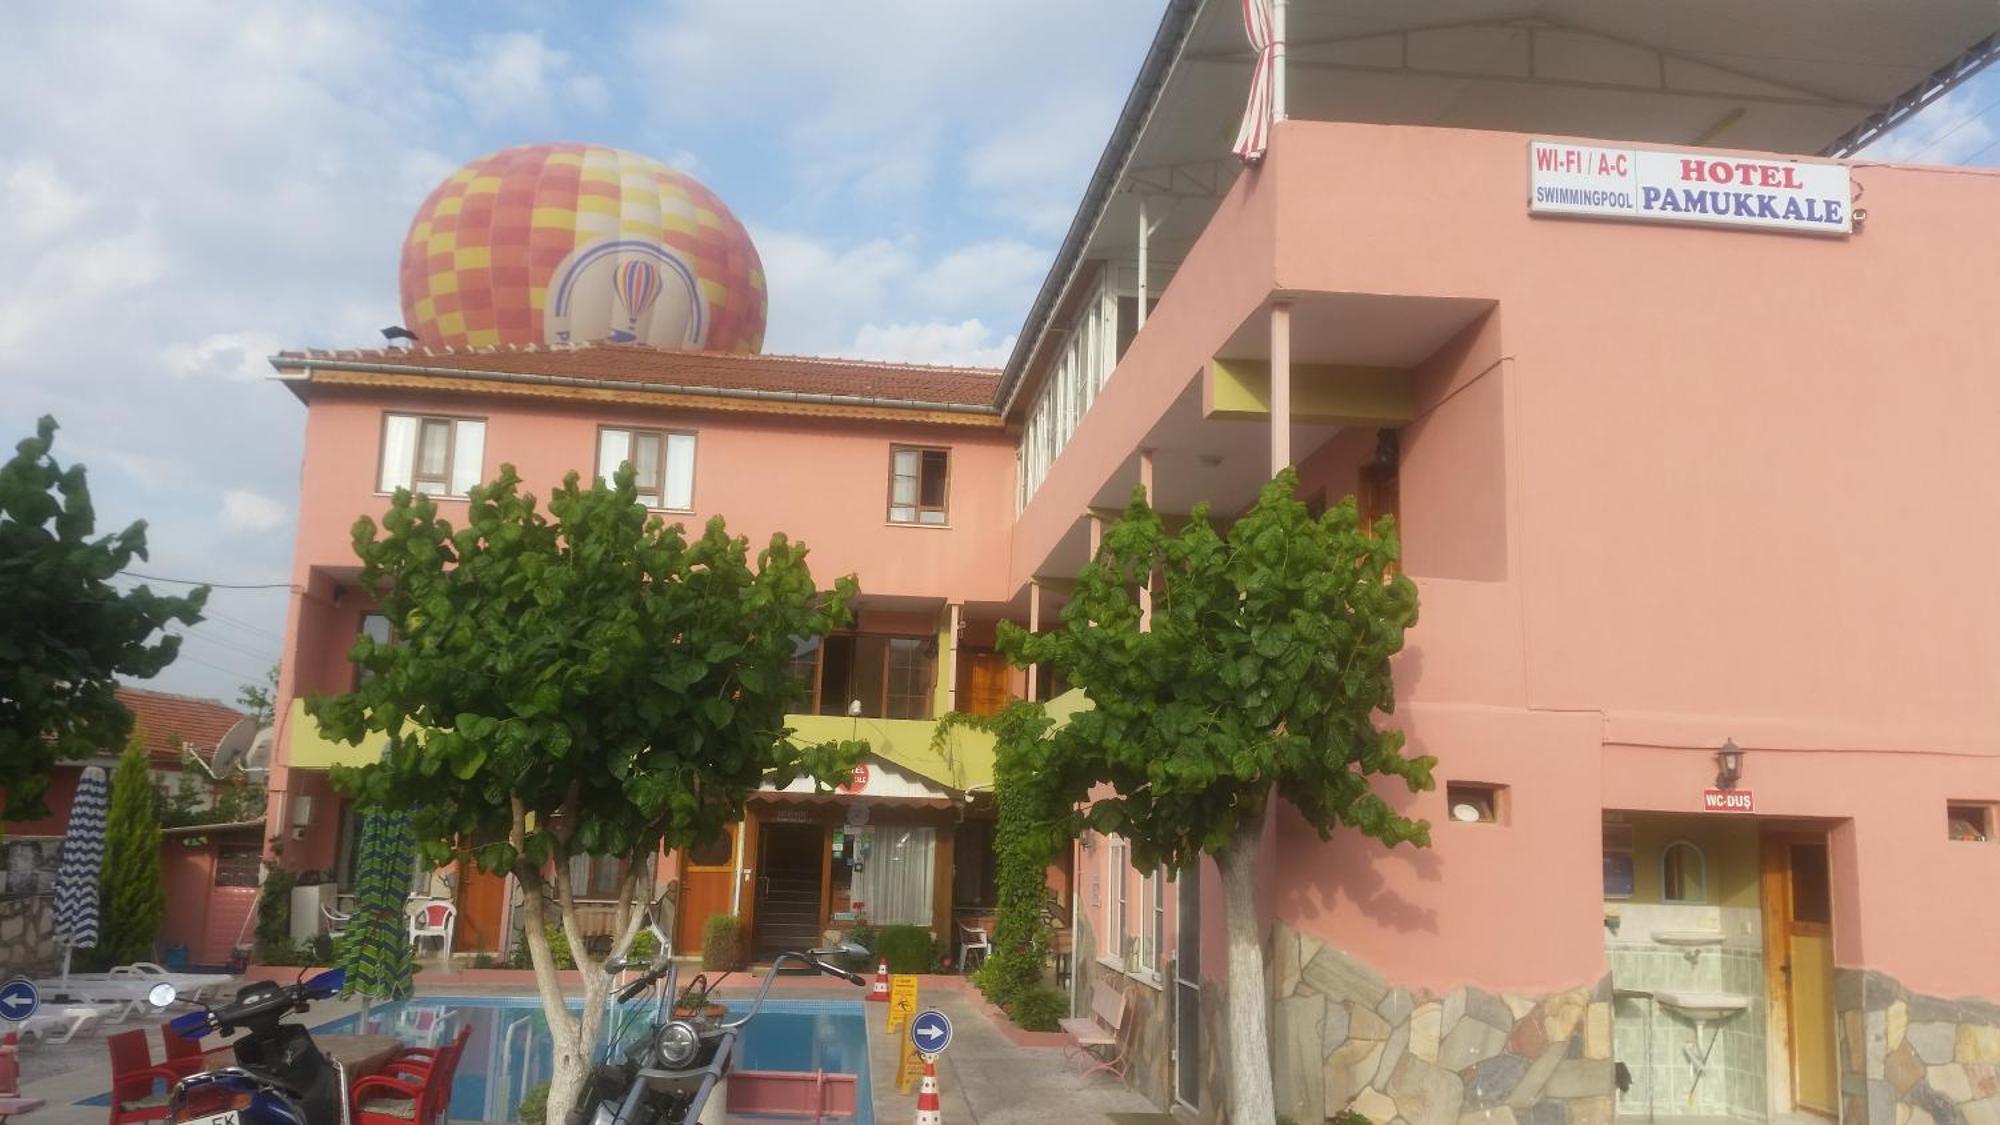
[676, 1070]
[280, 1076]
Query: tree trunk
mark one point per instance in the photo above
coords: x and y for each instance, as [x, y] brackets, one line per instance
[571, 1064]
[1249, 1063]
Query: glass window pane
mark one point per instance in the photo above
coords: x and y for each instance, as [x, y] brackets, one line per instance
[434, 449]
[911, 669]
[933, 516]
[646, 461]
[678, 492]
[1812, 884]
[870, 668]
[903, 514]
[934, 477]
[836, 675]
[613, 447]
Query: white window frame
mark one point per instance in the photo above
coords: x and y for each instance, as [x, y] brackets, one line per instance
[678, 449]
[402, 446]
[914, 512]
[1152, 916]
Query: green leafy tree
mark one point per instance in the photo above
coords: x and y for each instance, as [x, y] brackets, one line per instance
[132, 894]
[66, 632]
[592, 683]
[260, 699]
[1266, 661]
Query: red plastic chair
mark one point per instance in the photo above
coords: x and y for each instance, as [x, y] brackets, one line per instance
[428, 1057]
[414, 1087]
[184, 1055]
[135, 1081]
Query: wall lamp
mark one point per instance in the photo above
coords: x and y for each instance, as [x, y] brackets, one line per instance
[1728, 765]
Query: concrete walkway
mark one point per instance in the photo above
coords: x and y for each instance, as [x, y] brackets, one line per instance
[986, 1080]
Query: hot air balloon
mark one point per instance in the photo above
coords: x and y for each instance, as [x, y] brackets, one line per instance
[572, 244]
[638, 287]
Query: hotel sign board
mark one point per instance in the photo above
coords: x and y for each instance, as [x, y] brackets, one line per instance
[1728, 801]
[1705, 188]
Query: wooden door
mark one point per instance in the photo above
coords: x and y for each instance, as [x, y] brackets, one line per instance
[707, 882]
[985, 682]
[482, 905]
[1798, 951]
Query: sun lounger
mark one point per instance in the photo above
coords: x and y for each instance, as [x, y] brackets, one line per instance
[190, 986]
[59, 1026]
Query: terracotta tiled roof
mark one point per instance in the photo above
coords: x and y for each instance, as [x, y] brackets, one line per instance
[169, 720]
[632, 363]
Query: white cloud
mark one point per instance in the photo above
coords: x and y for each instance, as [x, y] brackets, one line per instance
[1955, 129]
[35, 201]
[240, 356]
[516, 77]
[1000, 271]
[244, 510]
[965, 344]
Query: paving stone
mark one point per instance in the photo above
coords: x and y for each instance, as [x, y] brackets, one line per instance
[1284, 961]
[1492, 1081]
[1309, 946]
[1983, 1111]
[1359, 1059]
[1363, 1023]
[1548, 1111]
[1950, 1081]
[1597, 1031]
[1297, 1062]
[1930, 1101]
[1879, 1104]
[1392, 1056]
[1579, 1078]
[1930, 1009]
[1333, 973]
[1424, 1036]
[1518, 1006]
[1425, 1093]
[1851, 1039]
[1590, 1111]
[1527, 1039]
[1396, 1006]
[1875, 1042]
[1935, 1043]
[1914, 1116]
[1333, 1032]
[1498, 1115]
[1374, 1105]
[1530, 1088]
[1488, 1009]
[1470, 1043]
[1453, 1010]
[1560, 1015]
[1903, 1112]
[1904, 1069]
[1895, 1021]
[1985, 1079]
[1977, 1044]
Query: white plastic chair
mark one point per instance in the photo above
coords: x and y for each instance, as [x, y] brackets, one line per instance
[336, 922]
[433, 920]
[972, 940]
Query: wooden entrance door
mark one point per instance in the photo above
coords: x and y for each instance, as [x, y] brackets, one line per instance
[985, 681]
[482, 904]
[708, 878]
[1798, 957]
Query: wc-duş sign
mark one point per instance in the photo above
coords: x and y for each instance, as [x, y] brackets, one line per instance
[1664, 186]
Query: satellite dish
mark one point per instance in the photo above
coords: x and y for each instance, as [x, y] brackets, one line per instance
[230, 750]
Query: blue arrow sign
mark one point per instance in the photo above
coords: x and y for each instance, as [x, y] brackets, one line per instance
[931, 1031]
[18, 1000]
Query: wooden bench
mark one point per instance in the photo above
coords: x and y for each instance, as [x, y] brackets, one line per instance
[1103, 1029]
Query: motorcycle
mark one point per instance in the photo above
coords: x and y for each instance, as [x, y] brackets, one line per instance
[675, 1070]
[281, 1078]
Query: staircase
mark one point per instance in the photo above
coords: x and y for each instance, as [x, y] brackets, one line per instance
[787, 914]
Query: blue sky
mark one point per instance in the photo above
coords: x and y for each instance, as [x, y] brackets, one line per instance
[187, 186]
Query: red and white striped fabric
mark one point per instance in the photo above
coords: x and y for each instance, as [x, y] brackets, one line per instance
[1255, 133]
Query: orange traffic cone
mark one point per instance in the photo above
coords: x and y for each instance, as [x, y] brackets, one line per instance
[879, 991]
[928, 1111]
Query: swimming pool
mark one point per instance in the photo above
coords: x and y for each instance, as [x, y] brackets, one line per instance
[509, 1052]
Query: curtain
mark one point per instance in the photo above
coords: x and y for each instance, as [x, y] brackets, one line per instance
[399, 452]
[1255, 131]
[613, 447]
[468, 456]
[896, 882]
[680, 472]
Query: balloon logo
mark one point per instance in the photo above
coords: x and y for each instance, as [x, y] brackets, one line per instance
[638, 287]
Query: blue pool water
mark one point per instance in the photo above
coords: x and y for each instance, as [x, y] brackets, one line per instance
[509, 1051]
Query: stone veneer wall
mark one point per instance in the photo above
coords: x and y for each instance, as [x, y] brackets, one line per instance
[1344, 1038]
[1910, 1059]
[1149, 1059]
[27, 935]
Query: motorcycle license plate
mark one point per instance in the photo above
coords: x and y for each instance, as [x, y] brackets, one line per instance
[226, 1117]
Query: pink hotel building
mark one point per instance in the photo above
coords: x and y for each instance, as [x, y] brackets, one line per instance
[1692, 432]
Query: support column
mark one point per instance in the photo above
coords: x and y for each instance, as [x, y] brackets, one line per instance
[1096, 535]
[1146, 587]
[1281, 386]
[1034, 626]
[1277, 60]
[1145, 236]
[951, 670]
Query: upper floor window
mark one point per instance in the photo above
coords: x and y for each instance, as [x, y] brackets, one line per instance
[431, 455]
[889, 677]
[919, 482]
[662, 464]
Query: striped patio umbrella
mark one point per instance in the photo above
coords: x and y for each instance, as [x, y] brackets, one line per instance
[82, 862]
[375, 948]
